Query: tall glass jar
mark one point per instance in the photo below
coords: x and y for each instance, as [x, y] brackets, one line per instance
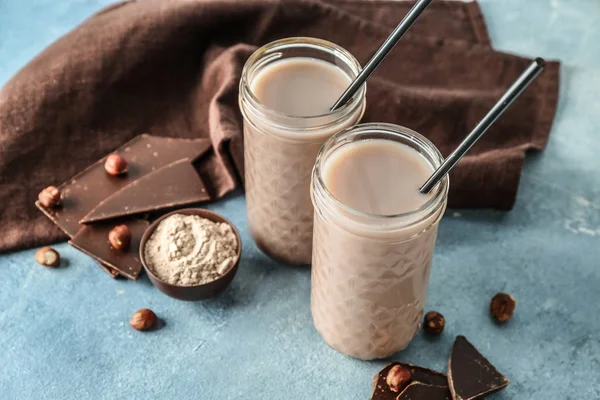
[280, 151]
[370, 272]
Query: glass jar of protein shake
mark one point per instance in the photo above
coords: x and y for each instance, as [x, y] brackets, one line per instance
[374, 235]
[286, 91]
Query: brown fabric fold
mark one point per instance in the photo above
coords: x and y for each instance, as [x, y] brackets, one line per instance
[172, 69]
[444, 19]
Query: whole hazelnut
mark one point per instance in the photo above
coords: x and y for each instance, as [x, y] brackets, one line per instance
[115, 164]
[119, 237]
[48, 257]
[502, 307]
[143, 320]
[398, 377]
[434, 323]
[49, 197]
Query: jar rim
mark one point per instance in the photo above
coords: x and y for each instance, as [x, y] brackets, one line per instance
[300, 41]
[431, 205]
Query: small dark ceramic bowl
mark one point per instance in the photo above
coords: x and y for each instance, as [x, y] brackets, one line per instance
[197, 292]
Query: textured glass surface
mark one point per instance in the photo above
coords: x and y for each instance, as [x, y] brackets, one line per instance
[280, 212]
[367, 296]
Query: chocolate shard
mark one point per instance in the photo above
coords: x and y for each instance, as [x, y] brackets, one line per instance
[93, 240]
[381, 390]
[421, 391]
[470, 375]
[174, 185]
[144, 154]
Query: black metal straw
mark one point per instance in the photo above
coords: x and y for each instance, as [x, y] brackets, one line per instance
[383, 51]
[532, 71]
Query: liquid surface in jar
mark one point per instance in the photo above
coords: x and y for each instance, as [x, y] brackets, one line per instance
[300, 86]
[377, 176]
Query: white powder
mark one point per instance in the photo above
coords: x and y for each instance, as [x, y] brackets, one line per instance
[189, 250]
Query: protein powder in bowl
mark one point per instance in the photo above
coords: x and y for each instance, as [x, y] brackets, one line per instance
[191, 254]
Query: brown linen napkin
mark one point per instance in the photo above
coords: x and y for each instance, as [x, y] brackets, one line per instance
[172, 69]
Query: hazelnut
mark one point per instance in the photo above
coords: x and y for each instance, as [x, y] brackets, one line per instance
[502, 307]
[434, 323]
[143, 320]
[115, 164]
[48, 257]
[119, 237]
[398, 377]
[49, 197]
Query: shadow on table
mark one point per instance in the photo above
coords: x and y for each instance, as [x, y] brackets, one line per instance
[259, 279]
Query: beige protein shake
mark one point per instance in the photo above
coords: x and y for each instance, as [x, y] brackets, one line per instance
[374, 235]
[286, 90]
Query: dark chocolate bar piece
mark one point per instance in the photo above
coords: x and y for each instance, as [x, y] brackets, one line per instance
[421, 391]
[381, 390]
[174, 185]
[144, 154]
[470, 375]
[93, 240]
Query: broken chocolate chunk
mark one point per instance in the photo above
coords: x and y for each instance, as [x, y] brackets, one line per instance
[381, 390]
[144, 154]
[93, 240]
[470, 375]
[421, 391]
[174, 185]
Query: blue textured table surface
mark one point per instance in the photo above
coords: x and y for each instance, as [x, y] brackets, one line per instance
[64, 333]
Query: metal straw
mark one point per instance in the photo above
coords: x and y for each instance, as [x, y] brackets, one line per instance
[532, 71]
[383, 51]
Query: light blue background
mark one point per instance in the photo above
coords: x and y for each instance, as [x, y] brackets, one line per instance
[64, 333]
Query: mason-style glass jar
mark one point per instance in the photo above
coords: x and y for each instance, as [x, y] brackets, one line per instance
[370, 272]
[280, 150]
